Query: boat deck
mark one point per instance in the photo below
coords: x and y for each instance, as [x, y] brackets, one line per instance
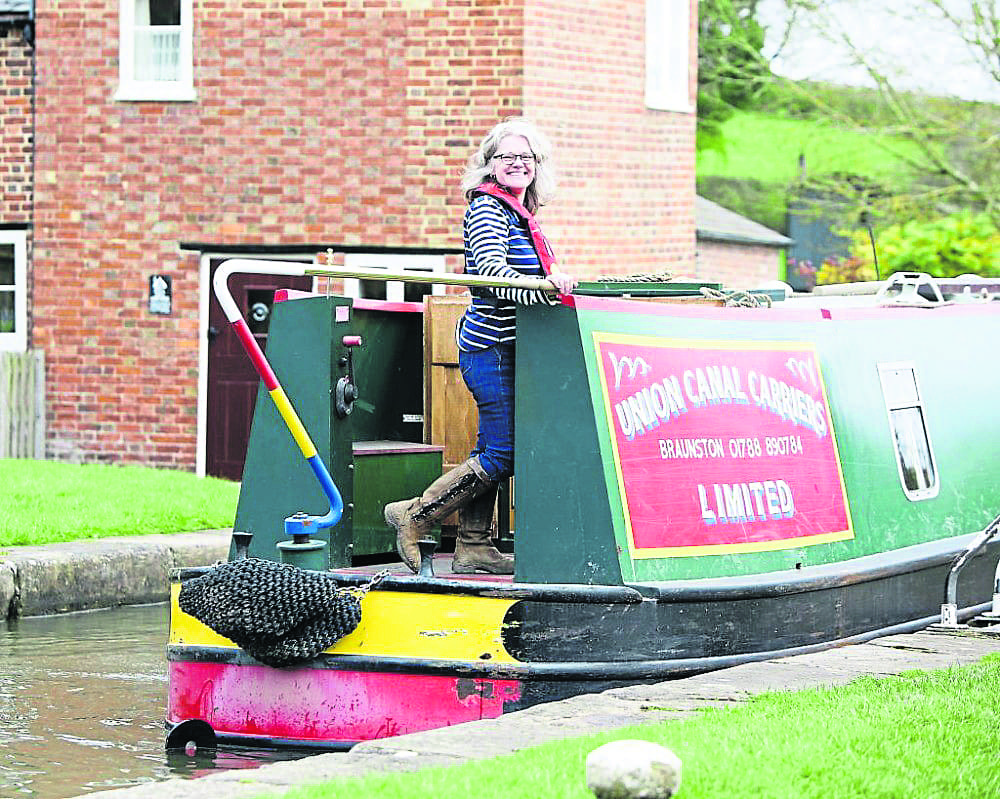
[442, 569]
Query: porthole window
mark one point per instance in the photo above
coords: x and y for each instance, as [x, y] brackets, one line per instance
[908, 425]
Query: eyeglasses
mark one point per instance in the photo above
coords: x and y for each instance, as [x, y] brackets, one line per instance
[510, 158]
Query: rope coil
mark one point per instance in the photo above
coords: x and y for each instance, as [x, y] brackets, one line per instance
[276, 612]
[638, 277]
[738, 299]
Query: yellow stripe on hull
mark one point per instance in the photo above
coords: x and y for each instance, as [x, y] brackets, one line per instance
[394, 624]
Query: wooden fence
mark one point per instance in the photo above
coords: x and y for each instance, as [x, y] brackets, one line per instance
[22, 404]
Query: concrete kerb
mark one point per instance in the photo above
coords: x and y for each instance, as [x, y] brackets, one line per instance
[583, 715]
[100, 573]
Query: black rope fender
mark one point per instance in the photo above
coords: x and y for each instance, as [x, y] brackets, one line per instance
[277, 613]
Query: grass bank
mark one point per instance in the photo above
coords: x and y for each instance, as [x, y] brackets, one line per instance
[43, 502]
[767, 147]
[931, 735]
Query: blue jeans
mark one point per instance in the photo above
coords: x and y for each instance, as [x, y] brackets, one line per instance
[489, 375]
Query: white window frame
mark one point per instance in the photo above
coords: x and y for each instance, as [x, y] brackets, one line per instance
[130, 89]
[394, 289]
[18, 340]
[668, 55]
[917, 403]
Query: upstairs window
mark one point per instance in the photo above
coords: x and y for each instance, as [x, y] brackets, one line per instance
[668, 55]
[13, 291]
[914, 455]
[155, 53]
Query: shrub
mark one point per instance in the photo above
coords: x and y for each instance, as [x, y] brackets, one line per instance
[962, 243]
[844, 270]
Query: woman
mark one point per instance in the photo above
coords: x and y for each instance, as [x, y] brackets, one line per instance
[506, 181]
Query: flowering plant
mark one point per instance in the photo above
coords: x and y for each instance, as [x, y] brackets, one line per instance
[804, 274]
[844, 270]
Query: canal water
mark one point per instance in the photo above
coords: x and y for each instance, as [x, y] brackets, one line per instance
[82, 703]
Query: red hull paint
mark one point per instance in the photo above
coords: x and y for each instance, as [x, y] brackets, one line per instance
[322, 705]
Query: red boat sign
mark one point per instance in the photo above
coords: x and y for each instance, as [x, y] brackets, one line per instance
[721, 446]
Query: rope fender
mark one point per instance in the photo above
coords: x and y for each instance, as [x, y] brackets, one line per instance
[277, 613]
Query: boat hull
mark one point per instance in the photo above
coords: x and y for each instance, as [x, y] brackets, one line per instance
[544, 643]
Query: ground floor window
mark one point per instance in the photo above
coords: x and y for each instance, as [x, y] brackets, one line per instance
[13, 290]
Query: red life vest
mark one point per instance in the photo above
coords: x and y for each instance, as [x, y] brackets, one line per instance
[541, 244]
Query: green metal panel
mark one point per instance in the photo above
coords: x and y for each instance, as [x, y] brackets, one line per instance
[570, 515]
[306, 352]
[383, 478]
[564, 526]
[389, 373]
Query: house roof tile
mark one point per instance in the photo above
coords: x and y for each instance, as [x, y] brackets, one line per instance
[713, 222]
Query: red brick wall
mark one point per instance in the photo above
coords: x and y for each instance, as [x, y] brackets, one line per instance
[15, 128]
[626, 198]
[738, 266]
[327, 123]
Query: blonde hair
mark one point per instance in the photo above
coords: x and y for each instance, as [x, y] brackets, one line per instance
[480, 166]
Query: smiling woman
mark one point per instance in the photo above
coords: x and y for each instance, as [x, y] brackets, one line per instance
[507, 179]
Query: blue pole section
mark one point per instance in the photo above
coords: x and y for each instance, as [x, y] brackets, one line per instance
[330, 489]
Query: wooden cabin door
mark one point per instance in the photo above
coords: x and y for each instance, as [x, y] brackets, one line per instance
[450, 417]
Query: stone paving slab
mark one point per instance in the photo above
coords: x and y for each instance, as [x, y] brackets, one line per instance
[100, 573]
[583, 715]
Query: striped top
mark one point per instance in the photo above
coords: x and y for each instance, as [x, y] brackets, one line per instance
[497, 244]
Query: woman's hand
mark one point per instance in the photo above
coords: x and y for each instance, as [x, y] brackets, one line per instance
[564, 283]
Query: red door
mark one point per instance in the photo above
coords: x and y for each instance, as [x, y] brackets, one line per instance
[232, 380]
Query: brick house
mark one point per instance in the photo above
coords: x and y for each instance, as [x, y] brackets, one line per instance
[171, 134]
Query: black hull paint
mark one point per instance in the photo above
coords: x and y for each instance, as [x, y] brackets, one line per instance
[743, 619]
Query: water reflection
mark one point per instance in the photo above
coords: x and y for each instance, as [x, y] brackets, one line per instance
[82, 702]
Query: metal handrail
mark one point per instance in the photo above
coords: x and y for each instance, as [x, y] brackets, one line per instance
[442, 278]
[220, 283]
[909, 285]
[256, 266]
[949, 610]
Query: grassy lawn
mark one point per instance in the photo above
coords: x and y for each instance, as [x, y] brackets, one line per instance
[45, 501]
[766, 147]
[930, 735]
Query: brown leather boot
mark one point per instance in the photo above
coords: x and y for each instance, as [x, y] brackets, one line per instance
[414, 518]
[474, 551]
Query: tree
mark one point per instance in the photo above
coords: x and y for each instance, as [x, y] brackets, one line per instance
[731, 70]
[954, 146]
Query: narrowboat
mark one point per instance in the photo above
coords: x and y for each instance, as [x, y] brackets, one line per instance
[696, 486]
